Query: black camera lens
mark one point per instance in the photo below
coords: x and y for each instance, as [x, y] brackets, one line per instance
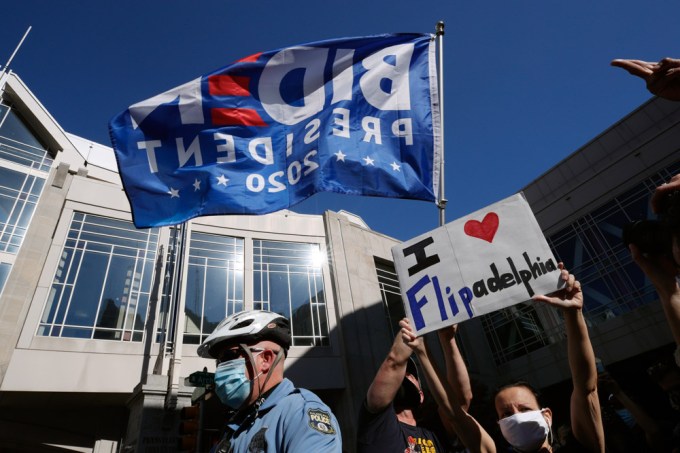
[650, 236]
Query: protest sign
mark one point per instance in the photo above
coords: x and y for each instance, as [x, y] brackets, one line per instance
[491, 259]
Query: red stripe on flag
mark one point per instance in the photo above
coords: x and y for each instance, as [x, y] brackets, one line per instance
[236, 117]
[250, 58]
[225, 85]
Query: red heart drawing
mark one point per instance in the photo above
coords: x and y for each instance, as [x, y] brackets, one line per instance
[486, 229]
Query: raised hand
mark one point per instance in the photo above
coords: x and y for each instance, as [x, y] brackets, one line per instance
[662, 78]
[570, 297]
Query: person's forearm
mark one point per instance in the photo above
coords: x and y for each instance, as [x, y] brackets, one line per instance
[580, 352]
[434, 381]
[468, 430]
[456, 371]
[389, 377]
[586, 417]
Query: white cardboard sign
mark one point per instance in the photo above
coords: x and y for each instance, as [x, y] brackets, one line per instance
[491, 259]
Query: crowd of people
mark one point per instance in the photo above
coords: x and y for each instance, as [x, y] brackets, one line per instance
[270, 414]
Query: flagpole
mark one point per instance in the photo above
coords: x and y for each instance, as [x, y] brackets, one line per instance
[441, 204]
[3, 71]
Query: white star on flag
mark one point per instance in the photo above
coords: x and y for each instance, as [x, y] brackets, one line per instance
[174, 193]
[221, 180]
[395, 166]
[197, 185]
[340, 156]
[369, 161]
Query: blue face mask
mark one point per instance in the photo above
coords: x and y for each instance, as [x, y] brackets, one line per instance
[231, 383]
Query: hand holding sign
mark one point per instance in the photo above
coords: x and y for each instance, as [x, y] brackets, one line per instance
[413, 341]
[569, 297]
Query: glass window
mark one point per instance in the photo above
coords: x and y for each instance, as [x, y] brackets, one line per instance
[288, 280]
[101, 287]
[214, 285]
[513, 332]
[19, 144]
[17, 203]
[593, 250]
[4, 272]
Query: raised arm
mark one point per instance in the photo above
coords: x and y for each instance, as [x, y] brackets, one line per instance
[662, 273]
[586, 417]
[468, 430]
[663, 269]
[456, 371]
[389, 376]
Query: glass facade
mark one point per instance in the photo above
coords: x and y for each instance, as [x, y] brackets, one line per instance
[288, 279]
[513, 332]
[21, 154]
[101, 287]
[4, 272]
[19, 194]
[592, 248]
[19, 144]
[214, 285]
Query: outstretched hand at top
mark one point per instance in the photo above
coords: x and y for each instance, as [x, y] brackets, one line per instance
[663, 78]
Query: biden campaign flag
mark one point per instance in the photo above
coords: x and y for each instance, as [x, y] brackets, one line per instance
[355, 116]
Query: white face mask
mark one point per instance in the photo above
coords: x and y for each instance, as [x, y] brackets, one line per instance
[526, 431]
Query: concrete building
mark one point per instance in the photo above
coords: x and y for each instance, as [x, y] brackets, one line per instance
[99, 321]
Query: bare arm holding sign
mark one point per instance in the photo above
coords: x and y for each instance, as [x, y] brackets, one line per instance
[453, 404]
[516, 404]
[586, 417]
[389, 377]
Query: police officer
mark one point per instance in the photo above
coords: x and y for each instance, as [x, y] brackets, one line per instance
[270, 413]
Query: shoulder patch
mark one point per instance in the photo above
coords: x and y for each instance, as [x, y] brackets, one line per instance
[320, 421]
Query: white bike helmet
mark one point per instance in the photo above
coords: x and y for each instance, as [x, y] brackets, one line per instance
[248, 327]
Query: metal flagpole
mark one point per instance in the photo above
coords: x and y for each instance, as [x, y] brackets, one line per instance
[3, 71]
[177, 323]
[440, 75]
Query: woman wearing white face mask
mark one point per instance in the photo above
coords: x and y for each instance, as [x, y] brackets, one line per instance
[523, 422]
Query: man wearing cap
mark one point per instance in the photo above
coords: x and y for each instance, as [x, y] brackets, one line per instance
[270, 413]
[387, 419]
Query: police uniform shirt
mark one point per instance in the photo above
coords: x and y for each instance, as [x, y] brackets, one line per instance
[290, 420]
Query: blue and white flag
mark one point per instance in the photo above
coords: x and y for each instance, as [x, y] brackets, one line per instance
[355, 116]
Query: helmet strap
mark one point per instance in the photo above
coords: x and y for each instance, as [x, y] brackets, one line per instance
[279, 355]
[256, 377]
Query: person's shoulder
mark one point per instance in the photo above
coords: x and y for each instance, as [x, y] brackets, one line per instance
[315, 409]
[314, 412]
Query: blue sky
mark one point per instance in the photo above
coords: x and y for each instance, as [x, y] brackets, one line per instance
[526, 82]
